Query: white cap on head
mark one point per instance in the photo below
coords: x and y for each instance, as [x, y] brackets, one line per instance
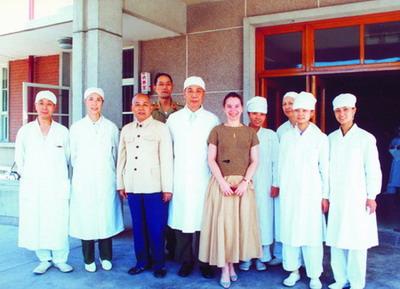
[305, 100]
[291, 94]
[91, 90]
[344, 100]
[257, 104]
[194, 80]
[46, 94]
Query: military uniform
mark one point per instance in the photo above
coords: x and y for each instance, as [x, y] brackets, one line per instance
[162, 116]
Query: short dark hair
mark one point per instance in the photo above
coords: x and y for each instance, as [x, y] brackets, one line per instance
[158, 75]
[234, 95]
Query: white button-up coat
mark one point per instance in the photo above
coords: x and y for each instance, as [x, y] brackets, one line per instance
[95, 205]
[303, 178]
[44, 186]
[189, 131]
[355, 176]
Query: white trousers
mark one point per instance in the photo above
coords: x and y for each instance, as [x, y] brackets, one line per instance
[266, 253]
[349, 266]
[312, 256]
[277, 250]
[57, 256]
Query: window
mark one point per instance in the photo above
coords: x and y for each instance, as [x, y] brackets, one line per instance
[4, 104]
[359, 43]
[283, 50]
[128, 84]
[382, 42]
[337, 46]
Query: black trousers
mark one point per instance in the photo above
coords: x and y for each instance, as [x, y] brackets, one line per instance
[170, 242]
[105, 250]
[187, 247]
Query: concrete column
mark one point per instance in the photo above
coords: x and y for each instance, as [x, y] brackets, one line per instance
[97, 55]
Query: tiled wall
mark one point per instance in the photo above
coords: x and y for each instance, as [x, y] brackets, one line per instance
[213, 45]
[46, 71]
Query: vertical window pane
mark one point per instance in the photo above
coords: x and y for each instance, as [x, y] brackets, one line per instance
[382, 42]
[63, 101]
[127, 63]
[283, 51]
[3, 127]
[4, 76]
[337, 46]
[127, 94]
[4, 101]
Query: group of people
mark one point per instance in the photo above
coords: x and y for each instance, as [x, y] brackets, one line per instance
[210, 193]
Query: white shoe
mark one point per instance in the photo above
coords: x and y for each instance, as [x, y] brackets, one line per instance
[64, 267]
[338, 285]
[275, 262]
[292, 279]
[260, 266]
[106, 265]
[42, 268]
[245, 265]
[315, 283]
[90, 267]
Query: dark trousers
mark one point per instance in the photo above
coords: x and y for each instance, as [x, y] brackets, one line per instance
[170, 242]
[187, 247]
[149, 218]
[105, 250]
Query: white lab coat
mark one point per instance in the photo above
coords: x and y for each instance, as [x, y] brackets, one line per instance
[44, 186]
[285, 127]
[265, 177]
[189, 133]
[355, 175]
[95, 205]
[303, 178]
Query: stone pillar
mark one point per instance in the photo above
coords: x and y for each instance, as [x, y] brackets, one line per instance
[97, 55]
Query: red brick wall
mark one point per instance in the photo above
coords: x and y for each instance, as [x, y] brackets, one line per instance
[46, 71]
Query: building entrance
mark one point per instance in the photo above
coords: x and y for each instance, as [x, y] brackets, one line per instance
[378, 111]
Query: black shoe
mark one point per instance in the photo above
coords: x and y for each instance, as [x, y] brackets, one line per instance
[207, 272]
[160, 273]
[185, 269]
[137, 270]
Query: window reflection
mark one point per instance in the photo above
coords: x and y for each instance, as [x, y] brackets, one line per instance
[337, 46]
[283, 51]
[382, 42]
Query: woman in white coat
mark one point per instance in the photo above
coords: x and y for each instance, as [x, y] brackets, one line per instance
[304, 189]
[95, 205]
[265, 179]
[42, 155]
[355, 180]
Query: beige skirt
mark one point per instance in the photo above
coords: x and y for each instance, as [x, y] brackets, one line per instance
[230, 230]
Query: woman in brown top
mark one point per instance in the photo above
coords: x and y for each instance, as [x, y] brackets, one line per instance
[230, 227]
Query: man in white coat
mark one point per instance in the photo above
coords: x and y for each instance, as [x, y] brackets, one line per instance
[42, 155]
[189, 129]
[287, 108]
[304, 190]
[95, 204]
[266, 178]
[355, 180]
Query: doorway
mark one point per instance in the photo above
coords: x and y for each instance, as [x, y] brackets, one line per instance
[378, 112]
